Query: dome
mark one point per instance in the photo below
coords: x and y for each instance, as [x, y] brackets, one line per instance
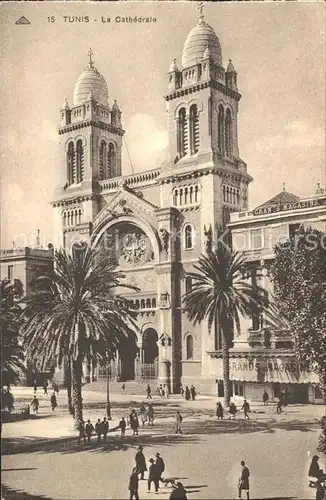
[91, 82]
[202, 36]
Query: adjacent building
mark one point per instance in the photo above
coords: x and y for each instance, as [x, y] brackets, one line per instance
[263, 358]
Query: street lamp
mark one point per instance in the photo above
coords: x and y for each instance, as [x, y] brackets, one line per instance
[108, 404]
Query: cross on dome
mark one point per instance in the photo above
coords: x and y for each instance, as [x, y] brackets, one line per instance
[200, 7]
[90, 53]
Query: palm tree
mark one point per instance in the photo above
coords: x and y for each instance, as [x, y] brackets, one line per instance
[76, 315]
[12, 354]
[220, 295]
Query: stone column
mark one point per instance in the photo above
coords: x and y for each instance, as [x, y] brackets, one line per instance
[168, 278]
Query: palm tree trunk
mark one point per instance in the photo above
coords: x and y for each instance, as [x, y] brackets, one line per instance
[69, 392]
[77, 391]
[226, 369]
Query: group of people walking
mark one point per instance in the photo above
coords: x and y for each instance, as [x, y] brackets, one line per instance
[35, 404]
[155, 471]
[232, 410]
[87, 429]
[188, 393]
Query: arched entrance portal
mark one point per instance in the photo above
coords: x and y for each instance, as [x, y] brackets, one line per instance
[150, 348]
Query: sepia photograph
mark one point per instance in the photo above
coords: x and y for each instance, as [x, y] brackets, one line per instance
[163, 250]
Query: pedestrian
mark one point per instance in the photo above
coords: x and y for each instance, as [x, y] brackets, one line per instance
[81, 432]
[178, 421]
[193, 392]
[219, 410]
[133, 484]
[134, 422]
[123, 388]
[166, 391]
[181, 391]
[122, 427]
[244, 480]
[35, 404]
[187, 393]
[265, 397]
[89, 428]
[153, 476]
[35, 385]
[55, 387]
[160, 391]
[279, 406]
[98, 430]
[314, 469]
[232, 411]
[105, 428]
[150, 413]
[142, 414]
[178, 492]
[160, 466]
[140, 462]
[149, 392]
[53, 401]
[45, 387]
[246, 408]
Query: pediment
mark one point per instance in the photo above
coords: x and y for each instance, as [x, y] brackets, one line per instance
[126, 203]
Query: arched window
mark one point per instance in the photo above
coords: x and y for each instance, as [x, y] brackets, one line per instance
[103, 160]
[191, 195]
[224, 193]
[180, 197]
[68, 219]
[137, 304]
[182, 133]
[111, 163]
[188, 284]
[189, 347]
[188, 237]
[142, 304]
[220, 138]
[186, 196]
[227, 195]
[79, 216]
[194, 129]
[175, 197]
[79, 160]
[154, 303]
[228, 133]
[196, 194]
[64, 219]
[71, 172]
[148, 304]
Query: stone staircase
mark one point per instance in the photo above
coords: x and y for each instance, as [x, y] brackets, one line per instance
[132, 387]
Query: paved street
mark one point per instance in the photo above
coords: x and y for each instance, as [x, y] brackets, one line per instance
[206, 457]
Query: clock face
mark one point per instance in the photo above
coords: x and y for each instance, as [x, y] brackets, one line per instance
[134, 248]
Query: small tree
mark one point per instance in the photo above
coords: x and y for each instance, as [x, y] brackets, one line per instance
[299, 277]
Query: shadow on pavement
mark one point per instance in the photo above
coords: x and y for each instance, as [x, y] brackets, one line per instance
[12, 494]
[161, 433]
[24, 468]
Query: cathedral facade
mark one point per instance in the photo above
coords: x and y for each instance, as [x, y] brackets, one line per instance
[156, 223]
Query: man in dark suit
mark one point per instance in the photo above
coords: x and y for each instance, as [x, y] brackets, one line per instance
[244, 479]
[153, 475]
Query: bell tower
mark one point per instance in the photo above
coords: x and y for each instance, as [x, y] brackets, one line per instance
[202, 111]
[90, 142]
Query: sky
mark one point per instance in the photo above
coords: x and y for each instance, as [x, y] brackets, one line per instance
[276, 48]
